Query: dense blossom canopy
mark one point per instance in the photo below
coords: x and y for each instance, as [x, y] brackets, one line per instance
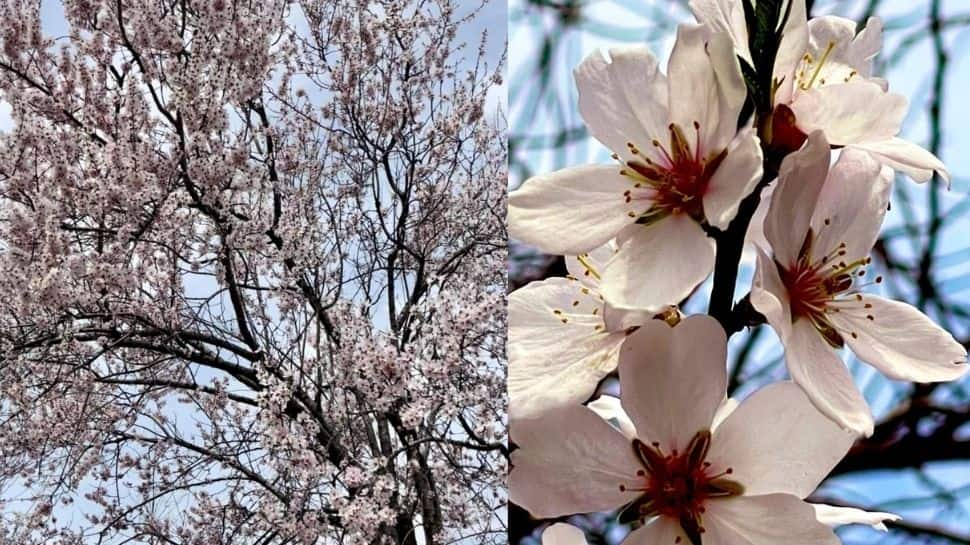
[251, 273]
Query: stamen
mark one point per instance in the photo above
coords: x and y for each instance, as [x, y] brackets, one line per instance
[818, 68]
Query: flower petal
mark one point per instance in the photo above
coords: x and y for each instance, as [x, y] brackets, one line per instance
[571, 211]
[609, 408]
[905, 156]
[705, 85]
[589, 267]
[814, 365]
[658, 265]
[800, 181]
[623, 100]
[570, 461]
[769, 296]
[734, 179]
[778, 442]
[724, 16]
[662, 531]
[772, 519]
[901, 341]
[849, 113]
[794, 42]
[556, 354]
[852, 205]
[563, 534]
[724, 410]
[865, 46]
[672, 379]
[832, 515]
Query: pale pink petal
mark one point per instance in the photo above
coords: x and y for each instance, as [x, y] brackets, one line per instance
[833, 516]
[610, 409]
[900, 341]
[800, 181]
[662, 531]
[621, 319]
[658, 265]
[769, 296]
[734, 179]
[705, 85]
[814, 365]
[849, 113]
[570, 461]
[563, 534]
[773, 519]
[623, 100]
[907, 157]
[558, 350]
[851, 206]
[672, 379]
[778, 442]
[571, 211]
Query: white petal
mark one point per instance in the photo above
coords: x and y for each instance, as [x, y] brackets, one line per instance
[778, 442]
[832, 38]
[609, 408]
[662, 531]
[769, 296]
[563, 534]
[853, 201]
[705, 85]
[658, 265]
[571, 211]
[772, 519]
[814, 365]
[734, 179]
[800, 181]
[755, 237]
[907, 157]
[724, 16]
[590, 268]
[552, 363]
[570, 461]
[849, 113]
[724, 410]
[832, 515]
[794, 42]
[866, 46]
[624, 100]
[901, 341]
[672, 379]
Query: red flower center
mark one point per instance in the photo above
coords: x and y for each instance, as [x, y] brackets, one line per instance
[676, 485]
[679, 176]
[818, 286]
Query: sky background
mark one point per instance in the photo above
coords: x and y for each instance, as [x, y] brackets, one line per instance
[548, 39]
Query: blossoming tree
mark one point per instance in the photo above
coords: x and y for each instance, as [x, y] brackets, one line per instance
[251, 273]
[768, 131]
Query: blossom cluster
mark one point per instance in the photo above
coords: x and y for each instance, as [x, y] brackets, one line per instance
[761, 116]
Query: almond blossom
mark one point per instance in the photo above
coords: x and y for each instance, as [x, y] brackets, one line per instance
[821, 225]
[825, 82]
[563, 337]
[683, 477]
[682, 165]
